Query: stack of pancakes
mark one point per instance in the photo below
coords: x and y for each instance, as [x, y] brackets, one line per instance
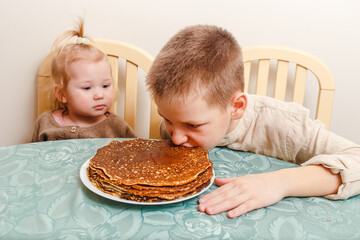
[150, 170]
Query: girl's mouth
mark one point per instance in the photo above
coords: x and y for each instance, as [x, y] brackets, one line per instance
[99, 107]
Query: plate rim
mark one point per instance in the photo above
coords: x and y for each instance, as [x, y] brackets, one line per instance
[86, 182]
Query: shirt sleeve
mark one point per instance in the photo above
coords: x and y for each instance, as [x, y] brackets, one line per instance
[129, 132]
[285, 131]
[341, 156]
[42, 123]
[35, 134]
[123, 129]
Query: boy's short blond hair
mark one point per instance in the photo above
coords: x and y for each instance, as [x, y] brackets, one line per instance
[199, 59]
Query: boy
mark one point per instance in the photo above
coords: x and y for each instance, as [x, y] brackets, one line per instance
[198, 84]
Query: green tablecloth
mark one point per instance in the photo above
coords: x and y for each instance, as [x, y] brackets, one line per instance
[42, 197]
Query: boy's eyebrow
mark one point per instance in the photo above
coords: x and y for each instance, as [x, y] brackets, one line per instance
[192, 123]
[163, 116]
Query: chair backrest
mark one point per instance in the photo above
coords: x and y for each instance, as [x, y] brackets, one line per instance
[115, 50]
[304, 62]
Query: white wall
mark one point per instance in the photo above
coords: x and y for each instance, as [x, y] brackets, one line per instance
[328, 29]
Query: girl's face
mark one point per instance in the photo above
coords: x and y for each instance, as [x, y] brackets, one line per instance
[89, 93]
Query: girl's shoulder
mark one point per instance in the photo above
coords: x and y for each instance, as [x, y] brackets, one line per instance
[57, 116]
[45, 116]
[50, 118]
[112, 117]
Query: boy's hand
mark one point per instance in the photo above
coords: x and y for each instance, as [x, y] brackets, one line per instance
[243, 194]
[246, 193]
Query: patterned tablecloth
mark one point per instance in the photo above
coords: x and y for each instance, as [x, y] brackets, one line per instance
[42, 197]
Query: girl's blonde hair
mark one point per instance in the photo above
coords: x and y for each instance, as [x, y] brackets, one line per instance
[67, 52]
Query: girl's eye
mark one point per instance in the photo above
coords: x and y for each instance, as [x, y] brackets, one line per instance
[86, 88]
[106, 86]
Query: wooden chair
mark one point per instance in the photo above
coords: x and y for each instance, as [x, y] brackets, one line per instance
[304, 62]
[135, 58]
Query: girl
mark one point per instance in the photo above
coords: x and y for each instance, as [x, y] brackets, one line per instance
[84, 92]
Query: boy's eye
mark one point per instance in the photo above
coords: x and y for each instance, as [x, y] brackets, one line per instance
[194, 125]
[86, 88]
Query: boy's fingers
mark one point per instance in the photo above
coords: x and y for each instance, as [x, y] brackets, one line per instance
[241, 209]
[226, 204]
[224, 201]
[222, 181]
[216, 192]
[214, 198]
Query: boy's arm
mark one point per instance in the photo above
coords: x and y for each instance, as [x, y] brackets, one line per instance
[330, 168]
[311, 180]
[339, 155]
[242, 194]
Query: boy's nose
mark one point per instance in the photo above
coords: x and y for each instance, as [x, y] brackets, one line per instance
[178, 137]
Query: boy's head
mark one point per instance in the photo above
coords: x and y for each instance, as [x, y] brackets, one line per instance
[200, 59]
[197, 82]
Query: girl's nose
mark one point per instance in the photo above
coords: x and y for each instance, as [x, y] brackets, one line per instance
[178, 137]
[98, 94]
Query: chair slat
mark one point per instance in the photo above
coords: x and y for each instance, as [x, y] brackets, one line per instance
[130, 93]
[299, 84]
[114, 63]
[324, 109]
[247, 69]
[155, 120]
[281, 79]
[305, 62]
[45, 99]
[262, 80]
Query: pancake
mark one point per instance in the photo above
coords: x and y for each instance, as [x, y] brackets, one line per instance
[150, 170]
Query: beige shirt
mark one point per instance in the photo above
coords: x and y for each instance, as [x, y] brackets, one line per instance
[284, 130]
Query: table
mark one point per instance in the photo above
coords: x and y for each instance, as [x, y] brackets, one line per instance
[42, 197]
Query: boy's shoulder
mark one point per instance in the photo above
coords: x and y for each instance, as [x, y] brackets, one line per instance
[272, 112]
[261, 103]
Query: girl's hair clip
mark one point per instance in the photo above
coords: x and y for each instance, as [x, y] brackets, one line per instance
[82, 40]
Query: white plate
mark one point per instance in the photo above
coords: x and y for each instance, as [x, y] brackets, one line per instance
[85, 180]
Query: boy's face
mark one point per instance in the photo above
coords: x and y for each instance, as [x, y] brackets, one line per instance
[194, 123]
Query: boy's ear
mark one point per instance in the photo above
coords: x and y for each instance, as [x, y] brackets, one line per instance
[238, 104]
[58, 94]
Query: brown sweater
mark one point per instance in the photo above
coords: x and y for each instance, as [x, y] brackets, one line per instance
[47, 129]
